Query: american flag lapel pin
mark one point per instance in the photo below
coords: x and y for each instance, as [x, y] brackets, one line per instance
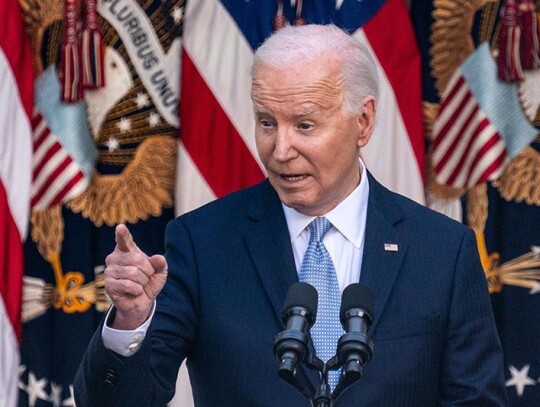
[390, 247]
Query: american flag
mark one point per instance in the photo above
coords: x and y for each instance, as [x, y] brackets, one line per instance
[16, 98]
[480, 124]
[217, 153]
[64, 153]
[55, 174]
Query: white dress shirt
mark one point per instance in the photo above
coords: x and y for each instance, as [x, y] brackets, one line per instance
[344, 242]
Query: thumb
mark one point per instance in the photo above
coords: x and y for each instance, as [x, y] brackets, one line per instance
[158, 279]
[159, 263]
[124, 240]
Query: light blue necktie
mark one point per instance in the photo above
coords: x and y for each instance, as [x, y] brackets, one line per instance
[319, 271]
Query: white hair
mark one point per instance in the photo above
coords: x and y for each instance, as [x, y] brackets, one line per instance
[308, 42]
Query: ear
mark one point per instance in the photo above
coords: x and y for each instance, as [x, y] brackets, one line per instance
[366, 121]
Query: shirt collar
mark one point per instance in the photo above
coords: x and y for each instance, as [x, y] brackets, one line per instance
[347, 217]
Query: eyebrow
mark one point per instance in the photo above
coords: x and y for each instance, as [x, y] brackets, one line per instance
[304, 113]
[261, 110]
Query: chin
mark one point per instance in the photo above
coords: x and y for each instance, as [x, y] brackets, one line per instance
[301, 207]
[292, 203]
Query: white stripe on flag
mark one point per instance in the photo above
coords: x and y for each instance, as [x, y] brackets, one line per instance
[446, 114]
[40, 153]
[192, 190]
[58, 183]
[16, 81]
[451, 83]
[48, 168]
[223, 58]
[15, 148]
[464, 136]
[487, 159]
[464, 178]
[458, 120]
[453, 162]
[455, 159]
[39, 129]
[9, 355]
[389, 154]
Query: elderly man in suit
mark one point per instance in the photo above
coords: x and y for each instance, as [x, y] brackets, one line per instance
[227, 267]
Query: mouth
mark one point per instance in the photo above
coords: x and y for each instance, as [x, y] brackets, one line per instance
[293, 178]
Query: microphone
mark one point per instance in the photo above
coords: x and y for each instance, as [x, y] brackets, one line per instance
[291, 345]
[354, 347]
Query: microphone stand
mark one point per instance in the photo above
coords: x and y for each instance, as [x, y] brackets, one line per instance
[351, 373]
[294, 346]
[324, 396]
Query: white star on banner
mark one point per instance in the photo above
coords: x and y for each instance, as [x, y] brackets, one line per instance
[124, 124]
[154, 119]
[176, 14]
[339, 3]
[520, 379]
[112, 144]
[36, 389]
[70, 401]
[56, 394]
[142, 100]
[535, 289]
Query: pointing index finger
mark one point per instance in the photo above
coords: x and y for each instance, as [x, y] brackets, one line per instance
[124, 240]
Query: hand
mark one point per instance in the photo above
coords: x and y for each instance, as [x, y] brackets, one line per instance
[132, 280]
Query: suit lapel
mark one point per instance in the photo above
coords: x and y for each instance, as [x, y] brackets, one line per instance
[381, 262]
[269, 245]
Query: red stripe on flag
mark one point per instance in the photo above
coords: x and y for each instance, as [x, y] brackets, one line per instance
[468, 152]
[11, 263]
[211, 140]
[479, 128]
[448, 98]
[443, 133]
[51, 152]
[63, 192]
[16, 47]
[17, 50]
[457, 137]
[493, 168]
[36, 119]
[484, 149]
[439, 135]
[391, 35]
[41, 138]
[50, 180]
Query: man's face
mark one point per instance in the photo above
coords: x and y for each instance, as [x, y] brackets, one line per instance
[307, 144]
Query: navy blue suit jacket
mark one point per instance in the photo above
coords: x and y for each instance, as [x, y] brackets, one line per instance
[230, 265]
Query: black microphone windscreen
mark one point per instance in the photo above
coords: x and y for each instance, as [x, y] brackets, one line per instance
[356, 295]
[302, 295]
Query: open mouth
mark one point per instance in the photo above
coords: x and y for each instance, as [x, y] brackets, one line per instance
[294, 178]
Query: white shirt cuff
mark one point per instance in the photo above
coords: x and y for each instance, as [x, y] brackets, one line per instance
[126, 343]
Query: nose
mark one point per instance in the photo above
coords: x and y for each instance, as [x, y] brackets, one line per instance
[284, 145]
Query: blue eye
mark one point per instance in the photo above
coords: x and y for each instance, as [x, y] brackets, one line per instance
[305, 126]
